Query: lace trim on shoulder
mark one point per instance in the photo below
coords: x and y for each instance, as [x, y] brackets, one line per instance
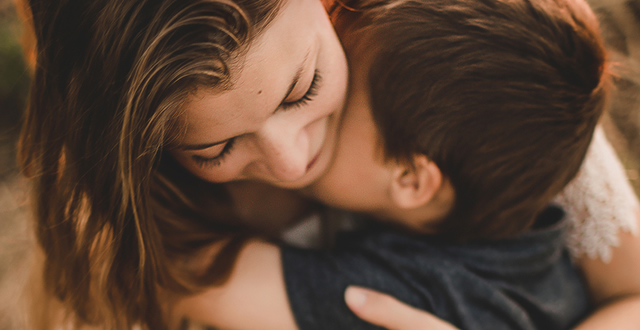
[599, 203]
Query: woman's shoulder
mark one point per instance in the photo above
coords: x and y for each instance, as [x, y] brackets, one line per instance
[600, 203]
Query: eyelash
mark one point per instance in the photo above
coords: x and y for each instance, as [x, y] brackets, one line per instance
[308, 96]
[217, 160]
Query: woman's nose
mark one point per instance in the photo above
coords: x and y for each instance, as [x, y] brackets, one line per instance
[286, 150]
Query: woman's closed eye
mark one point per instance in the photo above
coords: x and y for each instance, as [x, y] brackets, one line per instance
[217, 160]
[308, 96]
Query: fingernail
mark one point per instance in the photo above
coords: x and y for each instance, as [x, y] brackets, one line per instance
[355, 297]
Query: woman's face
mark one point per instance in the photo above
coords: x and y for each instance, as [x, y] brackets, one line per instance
[278, 123]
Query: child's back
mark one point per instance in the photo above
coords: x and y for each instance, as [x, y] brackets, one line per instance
[527, 282]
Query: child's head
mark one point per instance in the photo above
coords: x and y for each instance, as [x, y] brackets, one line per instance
[501, 95]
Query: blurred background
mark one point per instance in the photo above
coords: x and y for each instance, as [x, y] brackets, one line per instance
[14, 83]
[620, 21]
[14, 243]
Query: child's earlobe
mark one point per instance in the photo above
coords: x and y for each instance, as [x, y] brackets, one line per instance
[415, 187]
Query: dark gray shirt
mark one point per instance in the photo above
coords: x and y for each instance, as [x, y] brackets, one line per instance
[524, 283]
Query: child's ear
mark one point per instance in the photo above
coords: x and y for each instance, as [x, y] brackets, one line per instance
[415, 187]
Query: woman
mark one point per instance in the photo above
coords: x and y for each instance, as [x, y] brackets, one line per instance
[124, 203]
[106, 192]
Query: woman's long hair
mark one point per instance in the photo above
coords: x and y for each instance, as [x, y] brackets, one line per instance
[112, 217]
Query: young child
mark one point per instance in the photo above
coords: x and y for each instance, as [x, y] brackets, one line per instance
[463, 123]
[464, 120]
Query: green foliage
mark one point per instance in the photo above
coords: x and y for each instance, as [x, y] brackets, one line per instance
[14, 77]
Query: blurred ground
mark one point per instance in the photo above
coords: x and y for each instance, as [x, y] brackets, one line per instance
[621, 27]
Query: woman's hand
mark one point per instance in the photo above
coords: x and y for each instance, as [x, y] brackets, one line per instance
[386, 311]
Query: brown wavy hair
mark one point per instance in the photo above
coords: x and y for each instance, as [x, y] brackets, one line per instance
[114, 216]
[503, 95]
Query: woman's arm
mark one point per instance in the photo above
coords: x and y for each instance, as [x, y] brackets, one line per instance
[604, 213]
[253, 298]
[615, 286]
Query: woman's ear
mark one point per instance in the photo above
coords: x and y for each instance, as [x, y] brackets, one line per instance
[414, 187]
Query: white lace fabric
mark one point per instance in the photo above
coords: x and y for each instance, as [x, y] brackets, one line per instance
[599, 203]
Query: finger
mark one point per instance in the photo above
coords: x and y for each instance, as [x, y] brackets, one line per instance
[386, 311]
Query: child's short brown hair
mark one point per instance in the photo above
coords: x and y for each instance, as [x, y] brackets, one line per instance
[503, 95]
